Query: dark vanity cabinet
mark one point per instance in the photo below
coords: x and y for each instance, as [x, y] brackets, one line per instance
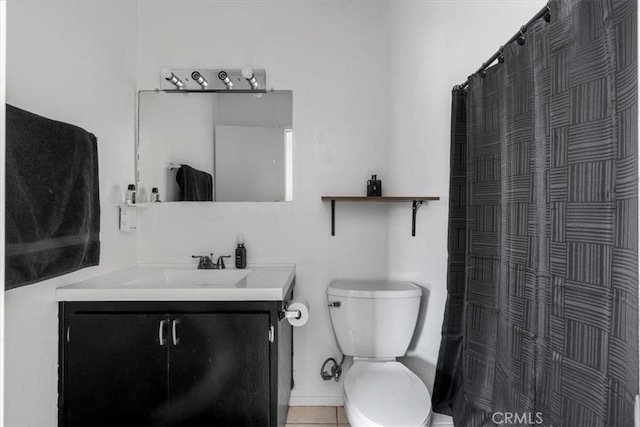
[174, 364]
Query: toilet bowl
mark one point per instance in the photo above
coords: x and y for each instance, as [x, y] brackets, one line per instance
[385, 394]
[373, 321]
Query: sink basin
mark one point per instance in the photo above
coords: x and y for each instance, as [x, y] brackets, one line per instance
[183, 282]
[192, 278]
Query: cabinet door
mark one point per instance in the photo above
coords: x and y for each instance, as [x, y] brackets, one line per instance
[219, 370]
[115, 370]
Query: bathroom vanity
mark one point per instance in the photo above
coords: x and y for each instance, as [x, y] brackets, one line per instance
[176, 346]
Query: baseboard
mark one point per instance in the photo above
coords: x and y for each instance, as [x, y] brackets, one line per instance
[315, 401]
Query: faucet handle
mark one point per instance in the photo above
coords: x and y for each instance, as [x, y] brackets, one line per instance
[220, 262]
[205, 261]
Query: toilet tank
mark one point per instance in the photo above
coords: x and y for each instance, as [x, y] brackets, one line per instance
[373, 318]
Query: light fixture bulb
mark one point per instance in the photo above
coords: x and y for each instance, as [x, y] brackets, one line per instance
[172, 78]
[247, 73]
[199, 79]
[222, 75]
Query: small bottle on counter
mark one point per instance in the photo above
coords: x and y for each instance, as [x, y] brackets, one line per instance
[155, 195]
[241, 254]
[131, 195]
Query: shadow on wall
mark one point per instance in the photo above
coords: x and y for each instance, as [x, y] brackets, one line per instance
[421, 367]
[422, 318]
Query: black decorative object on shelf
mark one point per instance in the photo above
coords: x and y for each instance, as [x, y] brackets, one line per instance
[374, 187]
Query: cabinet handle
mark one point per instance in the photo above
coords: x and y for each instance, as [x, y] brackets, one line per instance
[174, 331]
[161, 333]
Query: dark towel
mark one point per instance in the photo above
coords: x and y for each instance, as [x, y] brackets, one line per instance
[195, 185]
[52, 199]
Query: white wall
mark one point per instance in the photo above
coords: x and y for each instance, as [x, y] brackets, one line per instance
[331, 54]
[434, 46]
[72, 61]
[3, 71]
[351, 119]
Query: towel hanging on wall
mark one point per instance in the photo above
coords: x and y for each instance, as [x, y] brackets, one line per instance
[52, 199]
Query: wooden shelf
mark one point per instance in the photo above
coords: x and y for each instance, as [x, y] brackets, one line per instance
[379, 199]
[417, 201]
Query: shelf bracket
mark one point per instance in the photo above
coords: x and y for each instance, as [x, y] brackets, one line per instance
[333, 217]
[417, 201]
[414, 210]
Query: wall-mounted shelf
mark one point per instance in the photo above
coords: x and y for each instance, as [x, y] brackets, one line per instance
[417, 201]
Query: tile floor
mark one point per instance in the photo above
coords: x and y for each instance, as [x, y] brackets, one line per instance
[318, 416]
[334, 416]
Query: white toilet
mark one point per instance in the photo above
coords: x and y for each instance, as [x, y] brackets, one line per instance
[373, 321]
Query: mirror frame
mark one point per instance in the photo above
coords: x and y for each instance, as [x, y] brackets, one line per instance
[144, 193]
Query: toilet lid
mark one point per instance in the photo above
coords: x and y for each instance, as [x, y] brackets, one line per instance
[373, 289]
[387, 394]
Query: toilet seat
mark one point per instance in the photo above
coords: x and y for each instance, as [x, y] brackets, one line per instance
[386, 394]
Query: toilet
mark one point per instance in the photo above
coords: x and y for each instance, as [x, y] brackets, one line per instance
[373, 321]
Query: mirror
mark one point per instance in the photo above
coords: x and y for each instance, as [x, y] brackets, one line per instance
[196, 146]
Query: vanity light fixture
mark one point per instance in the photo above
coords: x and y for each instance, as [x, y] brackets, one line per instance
[247, 73]
[172, 78]
[214, 80]
[197, 77]
[222, 75]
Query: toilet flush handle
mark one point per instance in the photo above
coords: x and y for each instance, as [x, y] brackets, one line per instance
[335, 304]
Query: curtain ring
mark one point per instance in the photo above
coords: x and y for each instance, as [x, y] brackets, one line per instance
[501, 55]
[521, 39]
[481, 71]
[547, 16]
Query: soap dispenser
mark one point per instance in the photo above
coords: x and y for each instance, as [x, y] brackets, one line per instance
[241, 254]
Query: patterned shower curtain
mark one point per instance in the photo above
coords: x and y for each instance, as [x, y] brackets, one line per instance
[541, 322]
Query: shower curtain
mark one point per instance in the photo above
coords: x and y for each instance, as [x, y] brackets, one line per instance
[541, 321]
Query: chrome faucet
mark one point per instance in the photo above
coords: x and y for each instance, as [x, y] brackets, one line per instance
[205, 262]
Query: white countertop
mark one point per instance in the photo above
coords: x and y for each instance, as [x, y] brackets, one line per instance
[184, 283]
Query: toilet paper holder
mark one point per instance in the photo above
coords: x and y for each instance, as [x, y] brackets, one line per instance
[296, 312]
[289, 314]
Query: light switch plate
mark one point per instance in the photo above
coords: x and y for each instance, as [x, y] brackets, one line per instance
[128, 218]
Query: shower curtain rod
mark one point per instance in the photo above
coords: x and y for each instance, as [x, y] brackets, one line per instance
[544, 12]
